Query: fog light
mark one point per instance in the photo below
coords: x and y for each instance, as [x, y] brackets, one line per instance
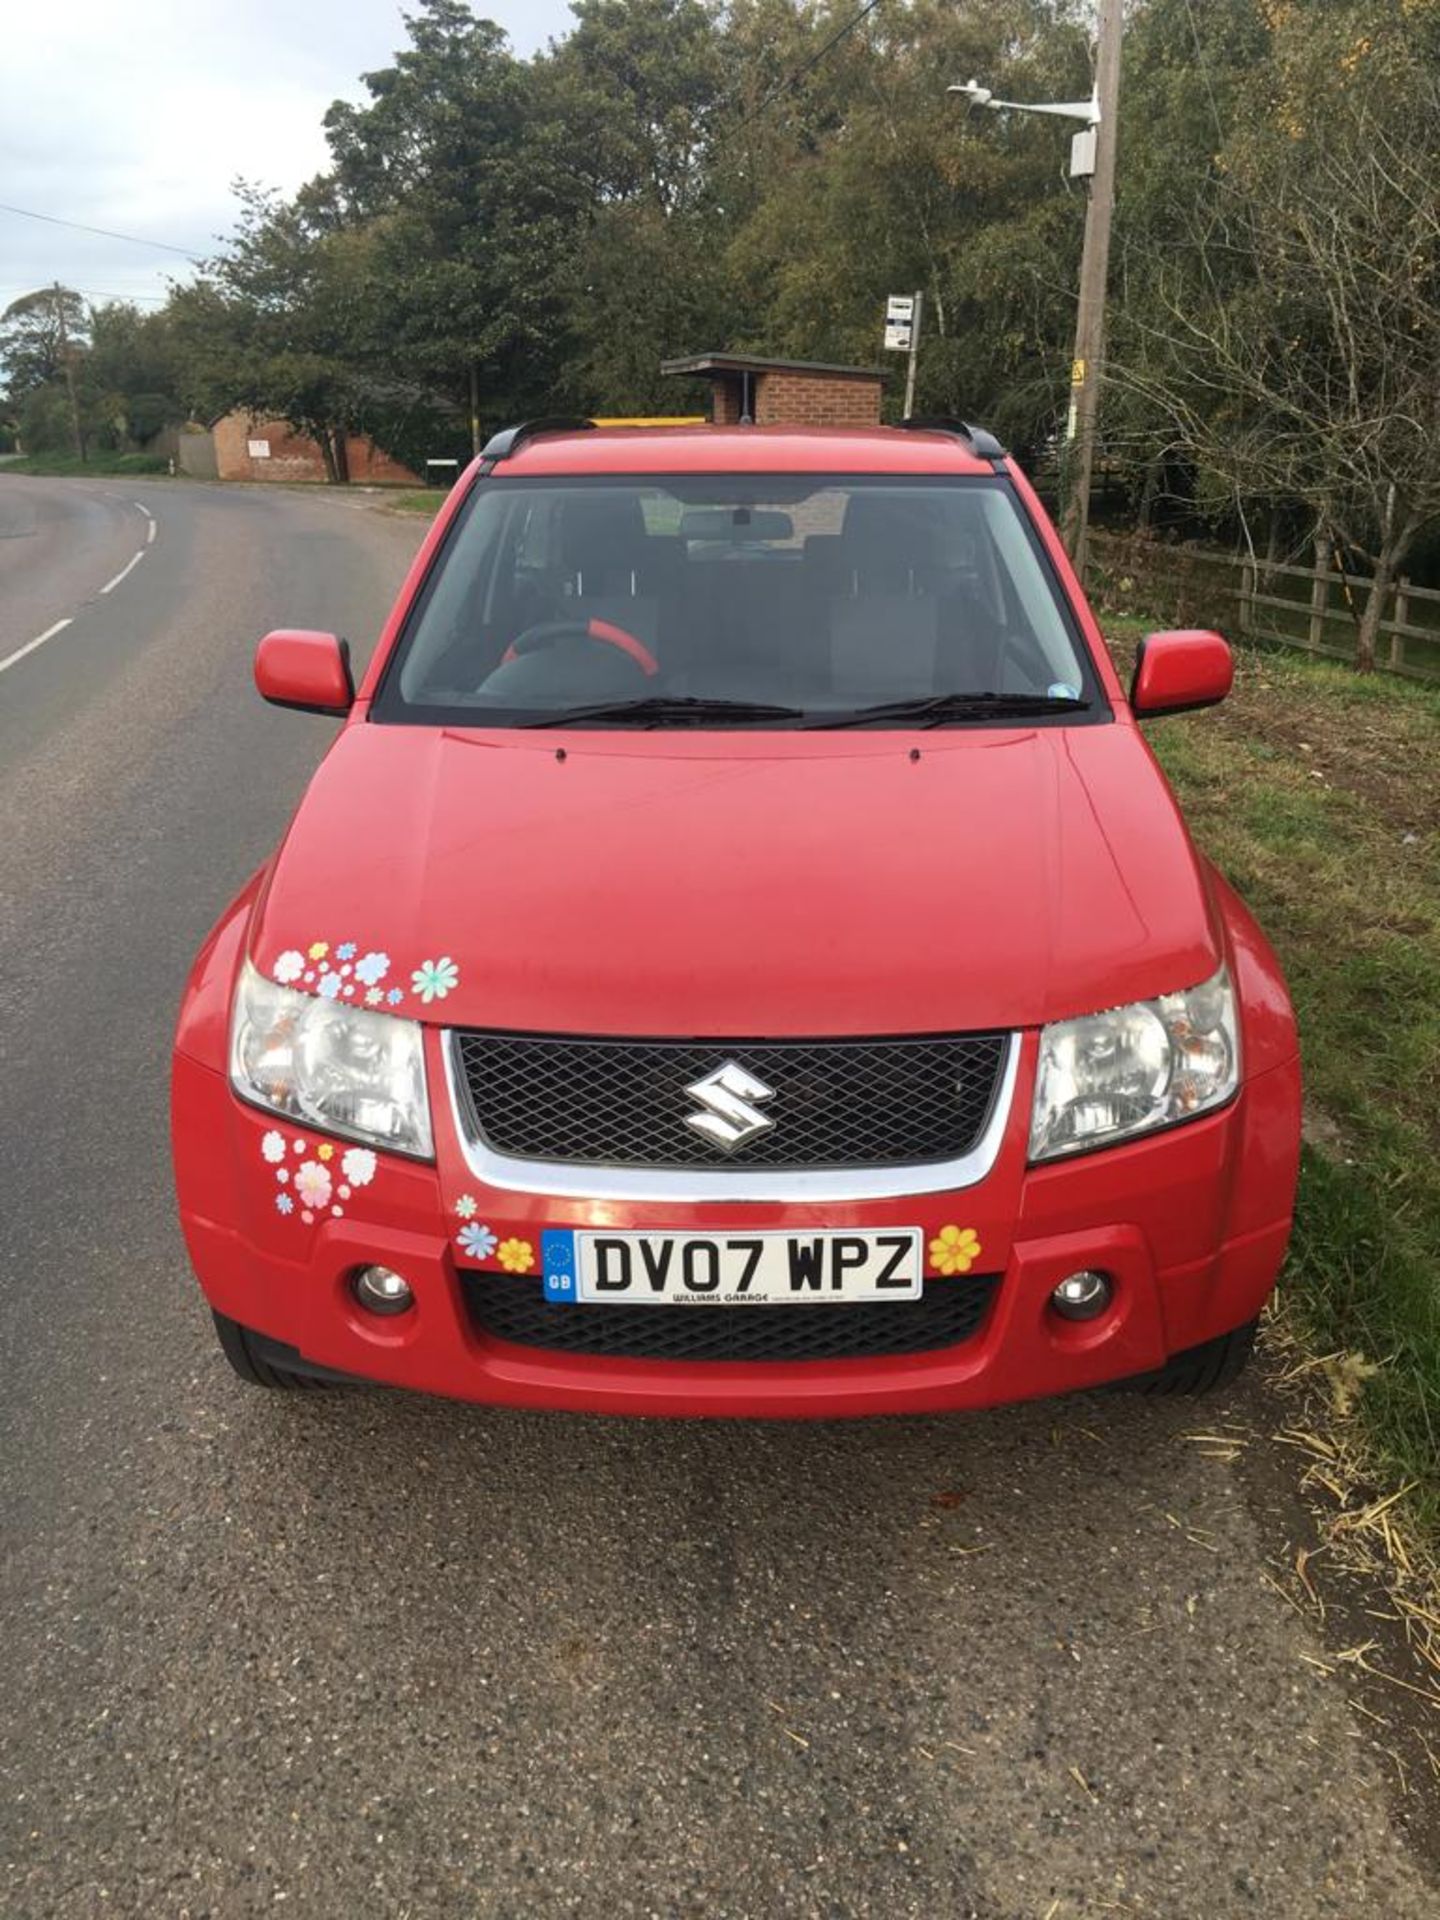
[1082, 1295]
[380, 1291]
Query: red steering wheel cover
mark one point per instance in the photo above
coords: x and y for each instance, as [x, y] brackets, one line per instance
[613, 636]
[627, 643]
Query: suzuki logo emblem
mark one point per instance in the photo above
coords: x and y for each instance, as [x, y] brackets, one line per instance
[726, 1095]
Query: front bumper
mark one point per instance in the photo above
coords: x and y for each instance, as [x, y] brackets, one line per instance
[1191, 1224]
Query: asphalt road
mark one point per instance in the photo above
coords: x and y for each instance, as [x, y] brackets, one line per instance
[357, 1654]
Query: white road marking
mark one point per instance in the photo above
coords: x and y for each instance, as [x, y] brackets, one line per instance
[109, 587]
[30, 645]
[134, 561]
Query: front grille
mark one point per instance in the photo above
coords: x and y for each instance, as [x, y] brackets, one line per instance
[948, 1312]
[834, 1103]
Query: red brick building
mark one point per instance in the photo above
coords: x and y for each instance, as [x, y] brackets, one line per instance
[770, 393]
[248, 449]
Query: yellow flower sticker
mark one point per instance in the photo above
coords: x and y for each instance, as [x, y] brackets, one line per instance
[955, 1250]
[516, 1256]
[325, 1150]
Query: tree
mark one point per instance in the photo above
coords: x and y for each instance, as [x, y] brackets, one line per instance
[275, 325]
[458, 181]
[1296, 344]
[131, 373]
[868, 181]
[42, 339]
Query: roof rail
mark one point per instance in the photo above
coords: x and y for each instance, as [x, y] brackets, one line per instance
[509, 440]
[983, 443]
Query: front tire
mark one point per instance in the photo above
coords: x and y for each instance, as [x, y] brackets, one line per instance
[1208, 1368]
[241, 1349]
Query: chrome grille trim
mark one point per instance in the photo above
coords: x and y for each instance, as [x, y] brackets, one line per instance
[595, 1181]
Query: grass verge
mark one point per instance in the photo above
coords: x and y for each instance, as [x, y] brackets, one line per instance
[422, 500]
[1318, 794]
[99, 464]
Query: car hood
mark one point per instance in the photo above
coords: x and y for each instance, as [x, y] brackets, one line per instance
[738, 885]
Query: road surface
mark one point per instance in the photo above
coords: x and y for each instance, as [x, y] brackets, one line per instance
[357, 1654]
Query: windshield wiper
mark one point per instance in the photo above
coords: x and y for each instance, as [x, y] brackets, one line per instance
[939, 709]
[661, 709]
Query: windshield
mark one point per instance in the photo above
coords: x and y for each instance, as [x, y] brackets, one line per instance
[752, 600]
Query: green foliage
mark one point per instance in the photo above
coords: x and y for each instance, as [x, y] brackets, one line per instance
[495, 236]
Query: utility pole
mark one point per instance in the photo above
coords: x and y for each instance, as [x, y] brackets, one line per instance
[1092, 156]
[67, 360]
[1088, 367]
[914, 356]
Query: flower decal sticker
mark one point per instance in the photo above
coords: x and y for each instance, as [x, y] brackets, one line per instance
[955, 1250]
[312, 1183]
[433, 979]
[351, 971]
[358, 1166]
[516, 1256]
[479, 1242]
[315, 1176]
[465, 1207]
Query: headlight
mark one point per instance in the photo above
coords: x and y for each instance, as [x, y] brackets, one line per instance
[341, 1069]
[1108, 1076]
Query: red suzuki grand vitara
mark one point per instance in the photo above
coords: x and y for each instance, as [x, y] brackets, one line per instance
[739, 956]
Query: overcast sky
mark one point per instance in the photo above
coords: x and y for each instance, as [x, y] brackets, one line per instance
[137, 114]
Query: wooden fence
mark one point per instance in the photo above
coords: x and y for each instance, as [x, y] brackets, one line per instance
[1316, 608]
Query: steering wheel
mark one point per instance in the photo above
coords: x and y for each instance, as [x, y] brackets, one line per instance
[548, 632]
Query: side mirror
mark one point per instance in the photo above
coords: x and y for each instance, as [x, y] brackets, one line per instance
[1175, 672]
[310, 671]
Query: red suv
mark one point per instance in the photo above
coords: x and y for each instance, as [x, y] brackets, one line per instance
[739, 956]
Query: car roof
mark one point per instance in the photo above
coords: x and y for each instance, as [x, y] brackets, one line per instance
[786, 449]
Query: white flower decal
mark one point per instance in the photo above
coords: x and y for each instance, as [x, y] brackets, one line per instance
[330, 986]
[373, 996]
[371, 968]
[312, 1183]
[465, 1206]
[273, 1146]
[477, 1241]
[358, 1166]
[283, 1203]
[289, 966]
[433, 979]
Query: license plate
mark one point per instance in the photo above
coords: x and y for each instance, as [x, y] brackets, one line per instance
[732, 1269]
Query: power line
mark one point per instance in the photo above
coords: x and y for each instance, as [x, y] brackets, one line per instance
[805, 67]
[20, 289]
[108, 233]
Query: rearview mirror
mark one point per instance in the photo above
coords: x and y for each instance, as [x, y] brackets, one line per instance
[295, 667]
[1176, 672]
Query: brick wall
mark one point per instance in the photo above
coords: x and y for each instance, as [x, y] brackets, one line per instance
[816, 400]
[292, 456]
